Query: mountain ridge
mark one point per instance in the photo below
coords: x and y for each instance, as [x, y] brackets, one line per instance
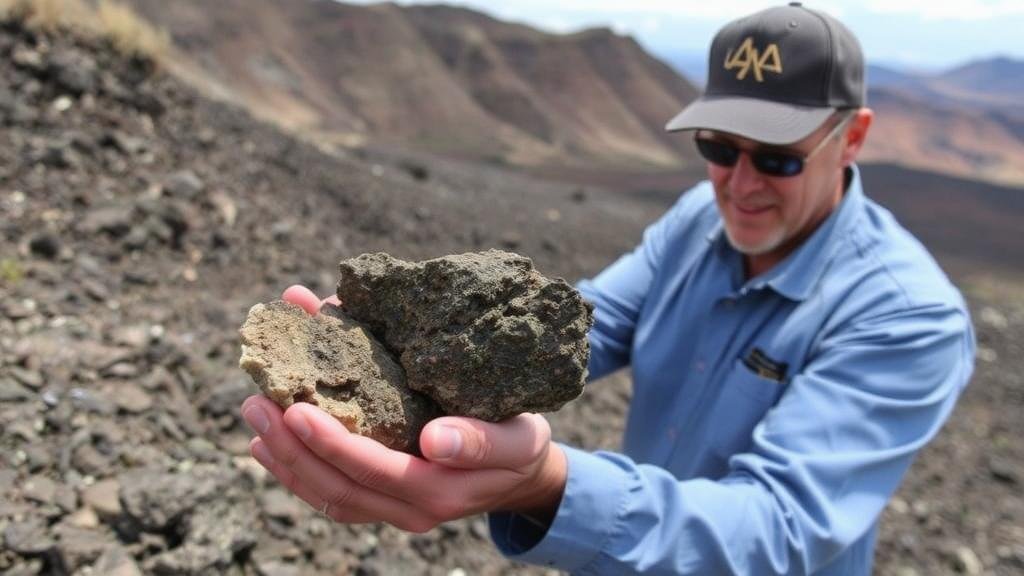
[439, 77]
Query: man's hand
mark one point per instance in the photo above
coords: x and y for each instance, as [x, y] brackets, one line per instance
[468, 466]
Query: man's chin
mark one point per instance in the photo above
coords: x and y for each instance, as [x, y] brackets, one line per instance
[758, 248]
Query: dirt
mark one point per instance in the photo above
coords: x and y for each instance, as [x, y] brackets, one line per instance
[140, 223]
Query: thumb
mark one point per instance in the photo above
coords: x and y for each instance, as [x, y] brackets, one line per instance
[469, 443]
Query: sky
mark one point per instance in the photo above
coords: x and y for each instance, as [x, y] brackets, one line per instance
[915, 35]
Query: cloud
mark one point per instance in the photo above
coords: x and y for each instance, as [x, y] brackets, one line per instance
[972, 10]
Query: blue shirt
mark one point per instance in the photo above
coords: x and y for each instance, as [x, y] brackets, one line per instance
[774, 461]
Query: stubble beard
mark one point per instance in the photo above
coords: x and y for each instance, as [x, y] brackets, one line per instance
[772, 242]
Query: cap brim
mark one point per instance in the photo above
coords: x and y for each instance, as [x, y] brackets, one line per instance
[760, 120]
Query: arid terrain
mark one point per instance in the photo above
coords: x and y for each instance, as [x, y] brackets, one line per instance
[140, 222]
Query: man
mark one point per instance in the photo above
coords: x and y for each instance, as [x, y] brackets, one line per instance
[792, 349]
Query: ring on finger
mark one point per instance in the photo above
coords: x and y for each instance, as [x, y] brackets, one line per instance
[325, 510]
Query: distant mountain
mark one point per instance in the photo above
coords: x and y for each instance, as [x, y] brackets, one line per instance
[935, 134]
[883, 76]
[994, 77]
[459, 82]
[439, 77]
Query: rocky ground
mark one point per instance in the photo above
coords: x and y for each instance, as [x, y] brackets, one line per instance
[139, 224]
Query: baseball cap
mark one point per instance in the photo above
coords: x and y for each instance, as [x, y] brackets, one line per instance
[777, 75]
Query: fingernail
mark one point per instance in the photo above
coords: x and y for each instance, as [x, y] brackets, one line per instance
[262, 455]
[257, 419]
[449, 443]
[300, 426]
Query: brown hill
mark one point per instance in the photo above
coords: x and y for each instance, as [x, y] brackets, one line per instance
[941, 135]
[437, 77]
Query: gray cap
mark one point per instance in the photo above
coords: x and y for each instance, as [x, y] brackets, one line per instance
[777, 75]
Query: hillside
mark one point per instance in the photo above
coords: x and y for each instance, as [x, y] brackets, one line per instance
[917, 130]
[440, 78]
[141, 220]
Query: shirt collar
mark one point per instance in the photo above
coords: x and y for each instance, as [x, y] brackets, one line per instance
[796, 276]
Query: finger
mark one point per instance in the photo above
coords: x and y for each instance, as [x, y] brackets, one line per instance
[302, 296]
[326, 481]
[362, 459]
[295, 485]
[474, 444]
[332, 299]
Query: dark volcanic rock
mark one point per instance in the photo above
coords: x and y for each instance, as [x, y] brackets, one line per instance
[335, 363]
[483, 334]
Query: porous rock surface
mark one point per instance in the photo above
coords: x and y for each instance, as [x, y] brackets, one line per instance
[332, 361]
[483, 333]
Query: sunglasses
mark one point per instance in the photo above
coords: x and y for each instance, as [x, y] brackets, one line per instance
[766, 161]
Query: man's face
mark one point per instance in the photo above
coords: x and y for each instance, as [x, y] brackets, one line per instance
[767, 217]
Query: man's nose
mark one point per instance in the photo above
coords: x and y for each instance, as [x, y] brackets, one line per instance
[744, 178]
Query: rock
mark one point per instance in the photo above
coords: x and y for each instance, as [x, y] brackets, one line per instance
[48, 492]
[90, 401]
[184, 184]
[227, 397]
[31, 378]
[283, 506]
[158, 500]
[333, 362]
[483, 334]
[213, 536]
[30, 537]
[95, 289]
[967, 562]
[226, 207]
[40, 489]
[993, 318]
[128, 145]
[135, 337]
[11, 391]
[115, 220]
[39, 455]
[1004, 470]
[131, 398]
[19, 310]
[277, 568]
[45, 245]
[29, 59]
[116, 561]
[84, 518]
[103, 498]
[74, 71]
[418, 171]
[33, 567]
[89, 460]
[81, 546]
[7, 479]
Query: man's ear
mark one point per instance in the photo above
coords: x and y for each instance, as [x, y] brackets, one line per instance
[857, 134]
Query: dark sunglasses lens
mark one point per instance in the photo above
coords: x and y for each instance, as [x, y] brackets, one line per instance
[718, 152]
[778, 163]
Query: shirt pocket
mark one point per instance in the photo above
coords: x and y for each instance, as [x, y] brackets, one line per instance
[745, 397]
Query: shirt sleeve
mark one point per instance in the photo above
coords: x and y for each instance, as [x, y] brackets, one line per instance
[619, 291]
[822, 465]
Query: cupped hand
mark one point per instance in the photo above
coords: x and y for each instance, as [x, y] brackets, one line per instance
[468, 466]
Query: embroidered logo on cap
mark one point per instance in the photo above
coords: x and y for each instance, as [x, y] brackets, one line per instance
[748, 58]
